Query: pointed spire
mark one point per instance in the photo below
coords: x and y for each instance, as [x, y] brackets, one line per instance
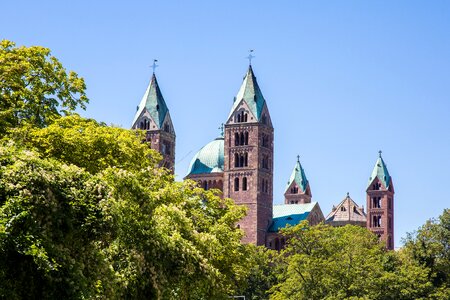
[298, 175]
[380, 171]
[153, 102]
[251, 94]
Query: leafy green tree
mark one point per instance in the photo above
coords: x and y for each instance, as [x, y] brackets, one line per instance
[52, 223]
[262, 270]
[35, 88]
[144, 235]
[324, 262]
[429, 247]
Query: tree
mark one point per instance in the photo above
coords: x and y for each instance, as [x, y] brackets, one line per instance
[429, 247]
[35, 88]
[324, 262]
[128, 230]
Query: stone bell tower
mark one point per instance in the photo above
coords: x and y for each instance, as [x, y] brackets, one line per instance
[153, 116]
[248, 159]
[380, 203]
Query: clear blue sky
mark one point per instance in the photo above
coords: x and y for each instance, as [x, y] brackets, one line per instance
[342, 79]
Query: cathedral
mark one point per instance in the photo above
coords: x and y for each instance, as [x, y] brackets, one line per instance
[239, 163]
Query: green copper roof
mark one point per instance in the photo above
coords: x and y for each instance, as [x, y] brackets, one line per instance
[154, 103]
[209, 159]
[380, 170]
[298, 175]
[251, 94]
[289, 214]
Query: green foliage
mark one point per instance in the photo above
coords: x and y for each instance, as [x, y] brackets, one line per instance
[430, 247]
[51, 222]
[89, 144]
[85, 213]
[324, 262]
[262, 267]
[35, 88]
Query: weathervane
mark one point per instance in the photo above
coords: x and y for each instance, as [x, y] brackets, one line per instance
[250, 56]
[221, 129]
[154, 66]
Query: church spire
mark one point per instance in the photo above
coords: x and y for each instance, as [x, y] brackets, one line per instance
[250, 95]
[298, 175]
[297, 188]
[380, 171]
[153, 103]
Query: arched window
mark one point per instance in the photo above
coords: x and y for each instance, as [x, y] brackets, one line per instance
[376, 221]
[141, 125]
[236, 139]
[376, 202]
[241, 160]
[166, 128]
[239, 118]
[342, 208]
[245, 117]
[236, 184]
[236, 160]
[205, 185]
[242, 139]
[244, 183]
[246, 138]
[245, 159]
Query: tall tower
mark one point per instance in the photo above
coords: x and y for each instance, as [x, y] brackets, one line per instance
[380, 203]
[297, 189]
[248, 163]
[153, 116]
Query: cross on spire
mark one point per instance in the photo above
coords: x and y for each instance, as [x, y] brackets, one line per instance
[154, 65]
[250, 56]
[298, 158]
[221, 129]
[379, 153]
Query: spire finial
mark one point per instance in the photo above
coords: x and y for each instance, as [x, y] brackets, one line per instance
[379, 153]
[348, 195]
[154, 65]
[221, 129]
[250, 57]
[298, 158]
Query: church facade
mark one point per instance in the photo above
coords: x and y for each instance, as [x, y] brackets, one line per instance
[240, 164]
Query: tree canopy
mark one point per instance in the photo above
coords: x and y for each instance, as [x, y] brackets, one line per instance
[35, 87]
[85, 212]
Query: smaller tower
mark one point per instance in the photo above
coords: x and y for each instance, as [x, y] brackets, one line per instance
[297, 189]
[380, 203]
[153, 116]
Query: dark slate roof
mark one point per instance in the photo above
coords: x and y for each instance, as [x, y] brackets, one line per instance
[154, 103]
